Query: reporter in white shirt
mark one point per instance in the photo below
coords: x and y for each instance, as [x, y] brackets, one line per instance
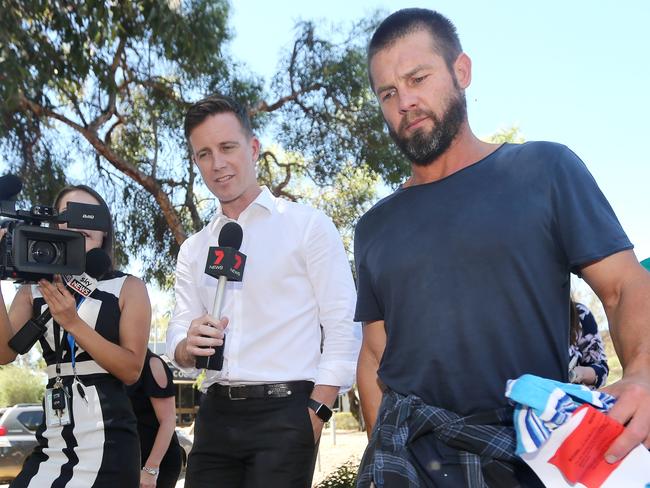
[261, 418]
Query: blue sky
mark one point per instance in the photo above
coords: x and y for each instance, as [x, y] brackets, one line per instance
[574, 72]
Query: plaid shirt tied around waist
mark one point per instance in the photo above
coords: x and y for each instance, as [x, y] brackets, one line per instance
[394, 458]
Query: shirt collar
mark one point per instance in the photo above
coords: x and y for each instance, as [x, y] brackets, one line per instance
[265, 200]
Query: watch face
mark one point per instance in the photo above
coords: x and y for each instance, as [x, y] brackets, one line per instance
[324, 413]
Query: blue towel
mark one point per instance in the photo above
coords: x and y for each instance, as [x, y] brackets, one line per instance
[541, 405]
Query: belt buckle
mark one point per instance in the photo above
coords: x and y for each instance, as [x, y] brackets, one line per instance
[230, 397]
[279, 390]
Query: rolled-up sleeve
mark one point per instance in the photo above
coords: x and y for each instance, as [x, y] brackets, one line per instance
[188, 306]
[331, 277]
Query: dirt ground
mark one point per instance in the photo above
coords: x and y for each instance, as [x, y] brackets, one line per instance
[335, 451]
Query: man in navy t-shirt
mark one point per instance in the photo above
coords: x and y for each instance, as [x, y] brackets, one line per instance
[463, 273]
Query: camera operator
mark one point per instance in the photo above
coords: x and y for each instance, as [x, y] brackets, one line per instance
[92, 346]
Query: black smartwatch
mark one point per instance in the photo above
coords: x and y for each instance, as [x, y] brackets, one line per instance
[321, 410]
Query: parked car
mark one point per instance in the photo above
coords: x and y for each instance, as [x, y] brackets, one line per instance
[18, 426]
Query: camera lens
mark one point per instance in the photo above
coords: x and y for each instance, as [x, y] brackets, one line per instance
[43, 252]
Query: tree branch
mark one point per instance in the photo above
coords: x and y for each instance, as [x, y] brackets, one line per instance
[189, 194]
[147, 182]
[265, 107]
[104, 116]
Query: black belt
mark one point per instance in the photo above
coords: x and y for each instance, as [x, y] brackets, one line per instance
[271, 390]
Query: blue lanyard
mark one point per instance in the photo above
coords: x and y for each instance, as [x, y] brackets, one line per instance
[71, 341]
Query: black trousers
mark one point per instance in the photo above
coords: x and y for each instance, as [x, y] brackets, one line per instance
[252, 443]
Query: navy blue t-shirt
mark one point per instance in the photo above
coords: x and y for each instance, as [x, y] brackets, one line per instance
[471, 273]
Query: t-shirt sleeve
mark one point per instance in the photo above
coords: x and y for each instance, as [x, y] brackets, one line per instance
[368, 308]
[150, 387]
[586, 224]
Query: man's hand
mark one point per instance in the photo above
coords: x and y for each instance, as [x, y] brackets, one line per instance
[623, 286]
[632, 394]
[205, 333]
[316, 425]
[322, 394]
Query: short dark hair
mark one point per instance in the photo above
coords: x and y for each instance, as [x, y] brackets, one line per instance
[107, 242]
[212, 105]
[409, 20]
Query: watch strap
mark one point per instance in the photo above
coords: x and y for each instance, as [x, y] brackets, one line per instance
[321, 410]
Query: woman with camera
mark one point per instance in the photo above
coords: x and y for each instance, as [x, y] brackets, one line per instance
[92, 347]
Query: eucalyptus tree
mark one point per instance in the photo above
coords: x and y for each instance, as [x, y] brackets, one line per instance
[95, 92]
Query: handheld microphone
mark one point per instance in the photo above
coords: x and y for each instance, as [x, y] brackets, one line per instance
[225, 263]
[97, 264]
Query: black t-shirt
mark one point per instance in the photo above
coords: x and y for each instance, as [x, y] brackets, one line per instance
[471, 273]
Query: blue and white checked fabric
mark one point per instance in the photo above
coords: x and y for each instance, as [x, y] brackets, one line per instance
[389, 463]
[541, 405]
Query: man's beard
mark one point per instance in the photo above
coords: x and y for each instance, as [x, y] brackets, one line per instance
[423, 148]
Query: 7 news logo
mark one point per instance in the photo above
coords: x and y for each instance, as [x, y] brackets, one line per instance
[225, 261]
[219, 254]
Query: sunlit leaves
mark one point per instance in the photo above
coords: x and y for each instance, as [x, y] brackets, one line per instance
[95, 92]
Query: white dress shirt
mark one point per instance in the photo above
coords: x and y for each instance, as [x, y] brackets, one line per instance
[296, 279]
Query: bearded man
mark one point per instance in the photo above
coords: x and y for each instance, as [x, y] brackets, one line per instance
[463, 277]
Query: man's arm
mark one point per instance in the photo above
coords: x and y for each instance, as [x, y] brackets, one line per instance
[190, 327]
[624, 288]
[331, 280]
[372, 349]
[323, 394]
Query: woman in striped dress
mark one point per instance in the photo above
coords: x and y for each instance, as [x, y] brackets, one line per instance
[92, 347]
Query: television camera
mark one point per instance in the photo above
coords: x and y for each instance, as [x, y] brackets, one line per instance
[28, 251]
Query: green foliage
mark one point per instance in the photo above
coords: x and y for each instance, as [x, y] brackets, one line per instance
[95, 92]
[96, 89]
[347, 198]
[511, 134]
[20, 385]
[345, 421]
[335, 120]
[344, 477]
[344, 197]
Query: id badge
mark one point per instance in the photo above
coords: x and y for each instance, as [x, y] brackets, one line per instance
[57, 407]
